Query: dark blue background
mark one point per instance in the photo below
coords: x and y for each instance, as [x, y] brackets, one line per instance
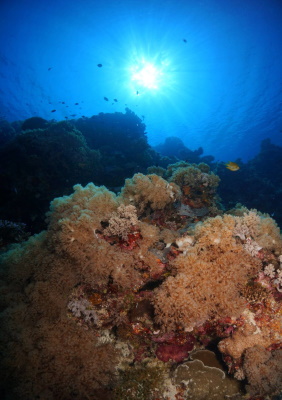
[221, 90]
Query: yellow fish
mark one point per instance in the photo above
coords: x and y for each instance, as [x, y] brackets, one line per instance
[232, 166]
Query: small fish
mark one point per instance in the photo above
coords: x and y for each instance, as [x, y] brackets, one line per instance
[49, 69]
[184, 40]
[106, 99]
[115, 100]
[73, 115]
[232, 166]
[99, 65]
[53, 110]
[137, 92]
[63, 102]
[76, 104]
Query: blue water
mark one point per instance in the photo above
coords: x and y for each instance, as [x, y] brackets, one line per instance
[221, 88]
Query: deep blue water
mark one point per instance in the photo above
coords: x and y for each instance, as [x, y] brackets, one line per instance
[220, 88]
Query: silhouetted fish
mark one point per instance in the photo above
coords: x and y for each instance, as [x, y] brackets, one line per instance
[73, 115]
[76, 104]
[106, 99]
[53, 110]
[184, 40]
[49, 69]
[115, 100]
[99, 65]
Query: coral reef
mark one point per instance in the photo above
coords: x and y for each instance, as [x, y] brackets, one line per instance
[38, 165]
[40, 160]
[209, 278]
[121, 139]
[174, 147]
[117, 298]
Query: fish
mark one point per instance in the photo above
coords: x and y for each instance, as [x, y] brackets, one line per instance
[76, 104]
[115, 100]
[73, 115]
[53, 111]
[184, 40]
[49, 69]
[232, 166]
[99, 65]
[106, 99]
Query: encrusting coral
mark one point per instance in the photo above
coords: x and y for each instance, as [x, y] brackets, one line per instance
[122, 284]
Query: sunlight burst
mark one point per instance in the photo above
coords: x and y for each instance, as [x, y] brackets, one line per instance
[147, 75]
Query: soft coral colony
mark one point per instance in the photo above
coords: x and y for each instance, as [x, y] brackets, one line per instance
[136, 295]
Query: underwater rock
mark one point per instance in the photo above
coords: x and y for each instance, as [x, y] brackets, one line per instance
[34, 123]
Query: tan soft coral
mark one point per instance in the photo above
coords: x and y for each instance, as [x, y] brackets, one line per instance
[195, 176]
[77, 233]
[209, 278]
[122, 222]
[53, 358]
[260, 229]
[245, 337]
[38, 338]
[263, 370]
[46, 353]
[150, 191]
[198, 187]
[95, 241]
